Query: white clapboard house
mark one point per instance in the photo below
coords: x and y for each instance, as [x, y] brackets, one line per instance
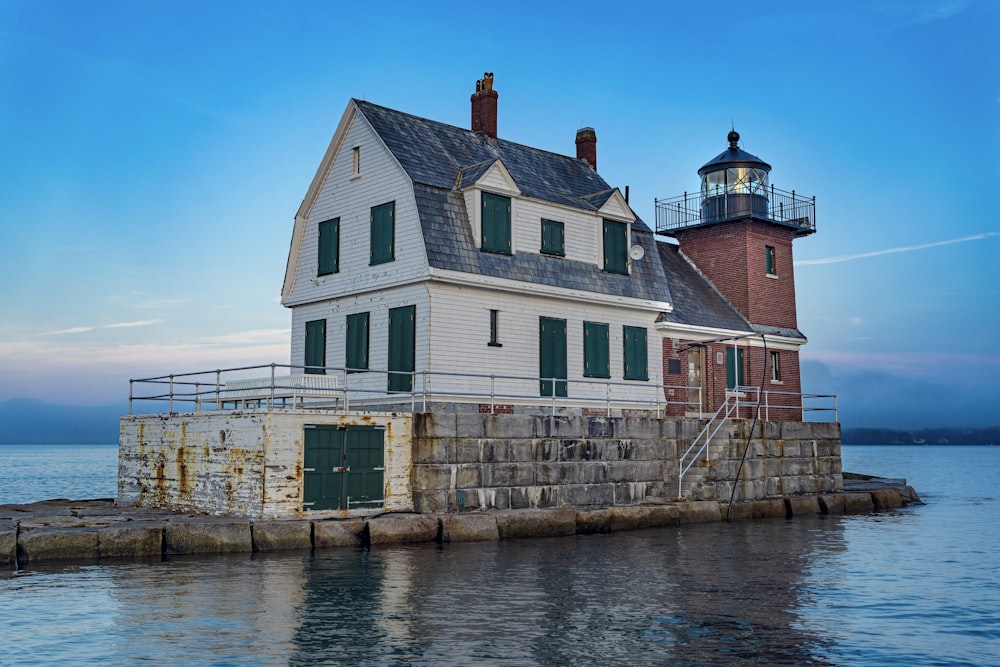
[443, 261]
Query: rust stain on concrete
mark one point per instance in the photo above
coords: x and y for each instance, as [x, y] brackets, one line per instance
[182, 472]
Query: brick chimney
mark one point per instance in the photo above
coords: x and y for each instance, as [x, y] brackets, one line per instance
[484, 106]
[586, 146]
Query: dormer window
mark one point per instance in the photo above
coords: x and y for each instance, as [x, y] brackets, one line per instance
[553, 238]
[496, 223]
[615, 247]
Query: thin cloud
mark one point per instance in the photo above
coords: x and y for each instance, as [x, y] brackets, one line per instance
[926, 364]
[115, 325]
[939, 12]
[892, 251]
[125, 325]
[71, 330]
[252, 337]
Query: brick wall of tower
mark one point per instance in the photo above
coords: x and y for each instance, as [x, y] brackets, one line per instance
[732, 255]
[674, 392]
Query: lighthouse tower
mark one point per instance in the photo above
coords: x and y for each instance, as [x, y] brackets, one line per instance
[738, 232]
[741, 235]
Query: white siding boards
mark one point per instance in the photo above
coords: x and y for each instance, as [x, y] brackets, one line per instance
[351, 198]
[377, 304]
[464, 312]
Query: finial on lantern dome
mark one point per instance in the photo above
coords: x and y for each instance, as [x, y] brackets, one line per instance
[734, 139]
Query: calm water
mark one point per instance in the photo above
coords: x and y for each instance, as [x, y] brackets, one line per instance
[919, 586]
[41, 472]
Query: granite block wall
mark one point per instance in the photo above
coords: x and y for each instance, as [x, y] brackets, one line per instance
[467, 461]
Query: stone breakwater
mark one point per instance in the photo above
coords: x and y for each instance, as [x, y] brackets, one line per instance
[92, 530]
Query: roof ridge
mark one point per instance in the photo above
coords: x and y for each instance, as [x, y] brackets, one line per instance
[466, 130]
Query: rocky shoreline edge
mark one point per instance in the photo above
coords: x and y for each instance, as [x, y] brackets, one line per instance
[96, 530]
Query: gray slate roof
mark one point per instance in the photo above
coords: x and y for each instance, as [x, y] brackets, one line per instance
[696, 301]
[433, 153]
[449, 244]
[437, 157]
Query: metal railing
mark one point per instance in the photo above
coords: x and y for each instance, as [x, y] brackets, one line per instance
[290, 386]
[753, 401]
[280, 386]
[772, 204]
[702, 440]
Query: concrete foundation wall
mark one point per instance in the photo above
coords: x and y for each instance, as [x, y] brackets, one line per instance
[240, 463]
[249, 464]
[465, 461]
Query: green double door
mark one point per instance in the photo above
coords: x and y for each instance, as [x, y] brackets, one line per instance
[344, 467]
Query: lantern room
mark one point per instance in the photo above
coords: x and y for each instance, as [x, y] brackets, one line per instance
[735, 186]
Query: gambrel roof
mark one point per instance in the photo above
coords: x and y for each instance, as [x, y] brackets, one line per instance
[442, 159]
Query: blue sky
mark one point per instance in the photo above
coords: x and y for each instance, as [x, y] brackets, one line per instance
[154, 154]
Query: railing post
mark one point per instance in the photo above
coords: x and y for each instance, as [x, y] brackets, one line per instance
[130, 395]
[270, 403]
[347, 397]
[607, 386]
[170, 400]
[197, 397]
[493, 387]
[218, 380]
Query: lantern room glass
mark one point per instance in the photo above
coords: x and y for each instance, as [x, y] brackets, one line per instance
[734, 180]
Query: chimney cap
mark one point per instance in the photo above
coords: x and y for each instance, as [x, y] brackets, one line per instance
[486, 83]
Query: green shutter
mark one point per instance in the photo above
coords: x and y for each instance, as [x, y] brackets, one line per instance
[402, 347]
[357, 341]
[496, 223]
[636, 362]
[734, 368]
[615, 247]
[329, 247]
[383, 233]
[553, 238]
[316, 347]
[552, 354]
[596, 363]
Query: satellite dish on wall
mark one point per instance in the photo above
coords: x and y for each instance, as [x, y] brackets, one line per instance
[636, 252]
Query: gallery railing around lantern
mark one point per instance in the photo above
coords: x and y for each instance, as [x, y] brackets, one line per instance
[768, 204]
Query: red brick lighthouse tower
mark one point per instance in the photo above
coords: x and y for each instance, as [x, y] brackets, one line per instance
[738, 233]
